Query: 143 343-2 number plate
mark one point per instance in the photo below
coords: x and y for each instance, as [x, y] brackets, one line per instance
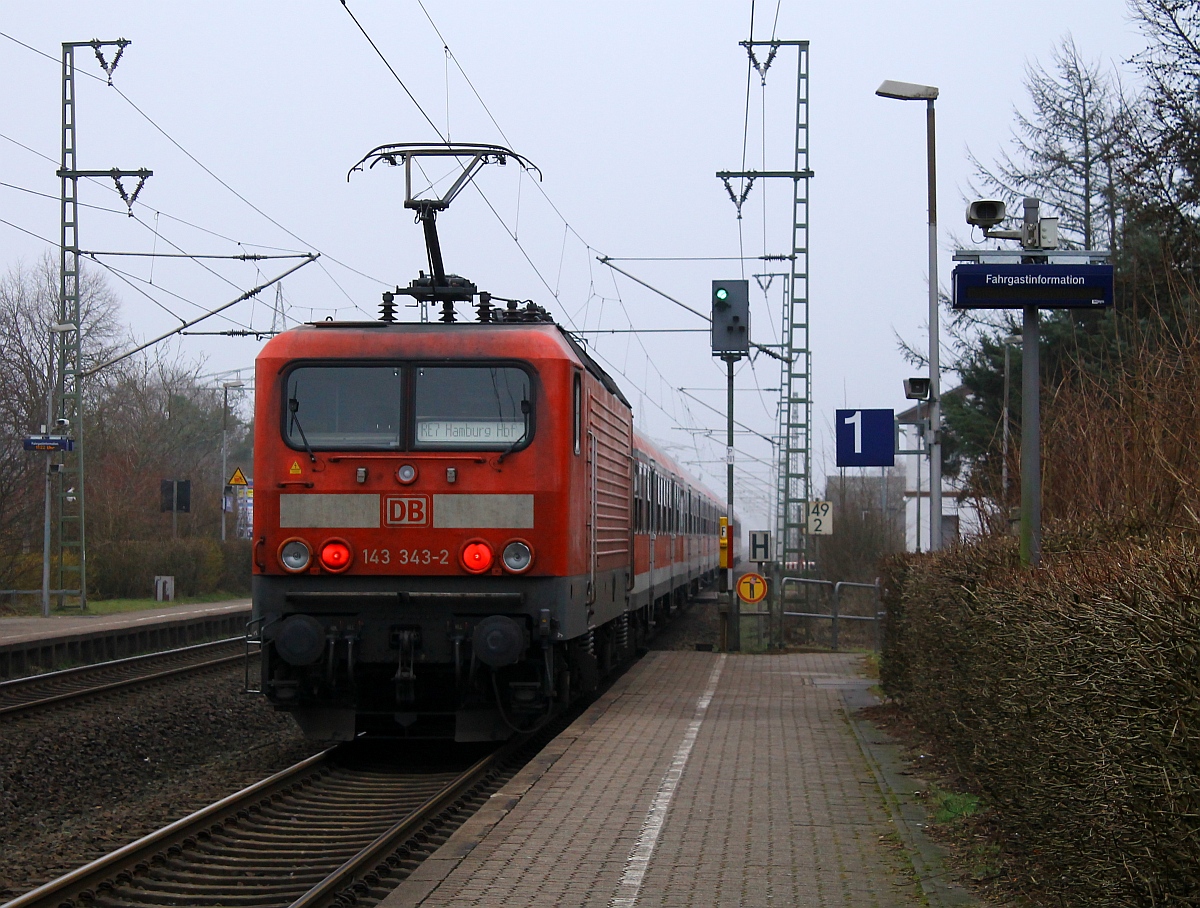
[405, 556]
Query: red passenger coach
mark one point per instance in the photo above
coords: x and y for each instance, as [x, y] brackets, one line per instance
[456, 528]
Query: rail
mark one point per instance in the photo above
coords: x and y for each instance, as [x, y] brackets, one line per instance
[834, 615]
[303, 837]
[34, 692]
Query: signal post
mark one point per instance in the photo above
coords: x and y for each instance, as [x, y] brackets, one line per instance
[730, 341]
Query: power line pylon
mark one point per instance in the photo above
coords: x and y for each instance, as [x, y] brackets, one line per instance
[70, 534]
[795, 403]
[278, 319]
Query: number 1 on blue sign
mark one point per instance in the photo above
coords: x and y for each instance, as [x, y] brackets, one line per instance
[856, 421]
[865, 438]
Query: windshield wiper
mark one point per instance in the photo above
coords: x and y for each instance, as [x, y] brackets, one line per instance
[525, 411]
[293, 406]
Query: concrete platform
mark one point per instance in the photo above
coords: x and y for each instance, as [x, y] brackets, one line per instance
[32, 644]
[700, 779]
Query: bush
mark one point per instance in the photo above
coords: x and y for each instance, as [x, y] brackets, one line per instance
[235, 576]
[1069, 696]
[126, 570]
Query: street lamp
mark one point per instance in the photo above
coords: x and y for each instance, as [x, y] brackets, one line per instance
[908, 91]
[226, 387]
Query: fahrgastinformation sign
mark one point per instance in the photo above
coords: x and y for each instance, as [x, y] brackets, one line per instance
[49, 443]
[997, 286]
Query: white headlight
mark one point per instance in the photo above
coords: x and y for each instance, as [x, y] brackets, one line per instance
[517, 557]
[407, 473]
[295, 555]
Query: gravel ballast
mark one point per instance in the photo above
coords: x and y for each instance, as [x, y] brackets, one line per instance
[79, 781]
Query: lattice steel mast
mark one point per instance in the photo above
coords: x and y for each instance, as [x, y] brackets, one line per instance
[794, 486]
[70, 528]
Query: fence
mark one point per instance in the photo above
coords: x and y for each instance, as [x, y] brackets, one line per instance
[834, 615]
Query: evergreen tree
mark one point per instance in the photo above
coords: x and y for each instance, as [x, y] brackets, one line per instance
[1068, 151]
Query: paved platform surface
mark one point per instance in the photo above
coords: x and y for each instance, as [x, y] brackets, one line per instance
[24, 630]
[698, 779]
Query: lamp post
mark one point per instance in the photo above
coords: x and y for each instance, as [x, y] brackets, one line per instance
[1008, 342]
[917, 389]
[908, 91]
[226, 387]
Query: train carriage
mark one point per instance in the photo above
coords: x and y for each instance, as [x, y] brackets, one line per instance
[457, 529]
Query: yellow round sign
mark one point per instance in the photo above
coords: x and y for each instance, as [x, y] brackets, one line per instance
[752, 588]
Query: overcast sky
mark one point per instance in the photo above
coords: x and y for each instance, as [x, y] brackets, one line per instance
[627, 108]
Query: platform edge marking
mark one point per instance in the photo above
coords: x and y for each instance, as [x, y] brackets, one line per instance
[638, 861]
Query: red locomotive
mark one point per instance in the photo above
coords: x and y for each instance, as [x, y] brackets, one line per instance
[456, 528]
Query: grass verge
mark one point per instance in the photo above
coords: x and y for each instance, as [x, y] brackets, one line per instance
[30, 607]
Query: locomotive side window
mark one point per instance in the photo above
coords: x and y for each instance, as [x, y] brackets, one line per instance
[344, 407]
[486, 407]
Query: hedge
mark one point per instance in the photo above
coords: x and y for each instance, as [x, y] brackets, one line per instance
[1069, 697]
[126, 570]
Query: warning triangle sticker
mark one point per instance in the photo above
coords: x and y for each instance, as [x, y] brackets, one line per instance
[237, 479]
[295, 469]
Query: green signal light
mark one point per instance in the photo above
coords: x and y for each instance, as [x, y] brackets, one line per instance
[722, 294]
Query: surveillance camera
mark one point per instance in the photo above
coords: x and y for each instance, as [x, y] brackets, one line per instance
[916, 388]
[985, 213]
[62, 423]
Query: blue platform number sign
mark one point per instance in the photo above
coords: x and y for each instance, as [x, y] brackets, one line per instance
[866, 438]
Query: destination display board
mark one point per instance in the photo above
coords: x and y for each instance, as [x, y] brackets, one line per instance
[49, 443]
[1040, 286]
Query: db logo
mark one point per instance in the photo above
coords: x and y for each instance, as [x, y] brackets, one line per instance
[412, 511]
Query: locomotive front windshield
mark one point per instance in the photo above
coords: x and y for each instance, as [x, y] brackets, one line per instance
[404, 406]
[471, 406]
[332, 407]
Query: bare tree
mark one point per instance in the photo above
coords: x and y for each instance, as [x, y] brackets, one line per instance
[1068, 150]
[28, 307]
[868, 523]
[1166, 128]
[158, 419]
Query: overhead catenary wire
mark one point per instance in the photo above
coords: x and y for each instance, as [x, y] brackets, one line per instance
[132, 281]
[766, 438]
[245, 296]
[244, 257]
[150, 120]
[553, 290]
[697, 258]
[567, 225]
[141, 204]
[395, 74]
[604, 260]
[155, 231]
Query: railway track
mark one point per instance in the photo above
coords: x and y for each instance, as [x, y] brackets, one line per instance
[24, 695]
[331, 829]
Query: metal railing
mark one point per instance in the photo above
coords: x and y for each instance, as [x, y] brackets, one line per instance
[835, 595]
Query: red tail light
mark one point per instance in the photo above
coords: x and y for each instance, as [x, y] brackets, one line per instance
[477, 556]
[335, 555]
